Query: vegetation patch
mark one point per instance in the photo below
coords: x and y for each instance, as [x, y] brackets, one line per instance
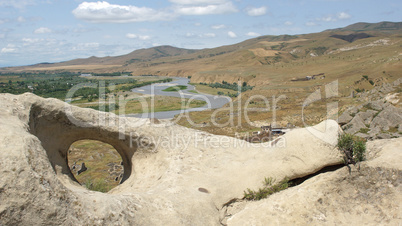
[268, 189]
[364, 130]
[102, 161]
[99, 185]
[175, 88]
[157, 104]
[393, 129]
[353, 148]
[233, 86]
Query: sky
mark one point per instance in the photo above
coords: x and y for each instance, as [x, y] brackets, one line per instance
[36, 31]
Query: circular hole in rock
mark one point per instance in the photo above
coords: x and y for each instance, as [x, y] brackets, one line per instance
[95, 165]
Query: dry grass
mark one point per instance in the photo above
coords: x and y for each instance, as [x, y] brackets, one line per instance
[96, 155]
[264, 52]
[157, 104]
[72, 67]
[213, 91]
[143, 104]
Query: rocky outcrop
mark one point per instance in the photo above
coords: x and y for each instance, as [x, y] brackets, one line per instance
[172, 175]
[379, 117]
[167, 168]
[369, 196]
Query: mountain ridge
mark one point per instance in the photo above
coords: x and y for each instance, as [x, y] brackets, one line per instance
[154, 53]
[360, 49]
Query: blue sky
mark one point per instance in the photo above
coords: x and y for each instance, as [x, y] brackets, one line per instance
[34, 31]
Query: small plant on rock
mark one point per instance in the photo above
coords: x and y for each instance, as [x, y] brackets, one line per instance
[354, 149]
[268, 189]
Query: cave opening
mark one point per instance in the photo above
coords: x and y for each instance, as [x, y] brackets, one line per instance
[95, 165]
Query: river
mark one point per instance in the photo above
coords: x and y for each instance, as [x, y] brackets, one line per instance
[213, 102]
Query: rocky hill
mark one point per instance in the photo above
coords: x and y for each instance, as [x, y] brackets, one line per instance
[380, 114]
[180, 176]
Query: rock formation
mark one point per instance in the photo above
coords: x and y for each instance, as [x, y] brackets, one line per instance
[380, 115]
[369, 196]
[172, 175]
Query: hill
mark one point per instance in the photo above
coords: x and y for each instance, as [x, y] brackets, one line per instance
[382, 26]
[259, 60]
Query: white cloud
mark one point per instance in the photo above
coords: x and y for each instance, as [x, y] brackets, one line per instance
[209, 35]
[206, 35]
[252, 11]
[343, 16]
[232, 34]
[311, 24]
[21, 19]
[3, 21]
[334, 18]
[190, 35]
[28, 41]
[103, 12]
[288, 23]
[43, 30]
[198, 2]
[140, 37]
[85, 46]
[223, 8]
[19, 4]
[253, 34]
[10, 48]
[218, 26]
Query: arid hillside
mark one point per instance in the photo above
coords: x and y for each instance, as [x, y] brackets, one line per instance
[344, 53]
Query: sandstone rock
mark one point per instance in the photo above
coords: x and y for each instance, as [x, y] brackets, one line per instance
[344, 118]
[354, 125]
[390, 117]
[363, 135]
[167, 167]
[383, 136]
[354, 110]
[367, 116]
[338, 198]
[385, 153]
[392, 98]
[377, 105]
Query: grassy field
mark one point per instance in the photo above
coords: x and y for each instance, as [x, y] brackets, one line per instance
[175, 88]
[159, 103]
[213, 91]
[144, 104]
[101, 159]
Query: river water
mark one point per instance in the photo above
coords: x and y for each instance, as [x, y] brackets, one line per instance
[213, 102]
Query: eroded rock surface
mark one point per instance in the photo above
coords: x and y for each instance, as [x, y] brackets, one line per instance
[369, 196]
[172, 175]
[379, 117]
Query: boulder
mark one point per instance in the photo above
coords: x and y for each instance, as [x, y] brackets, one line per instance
[354, 125]
[377, 105]
[367, 116]
[344, 118]
[172, 175]
[383, 136]
[370, 195]
[390, 117]
[363, 135]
